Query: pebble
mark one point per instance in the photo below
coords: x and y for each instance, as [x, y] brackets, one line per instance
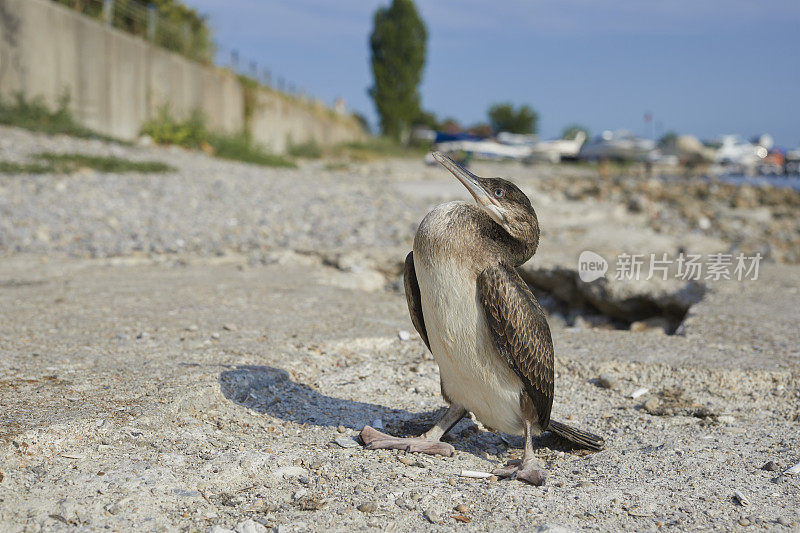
[744, 522]
[432, 516]
[193, 327]
[783, 521]
[639, 392]
[740, 498]
[346, 442]
[771, 466]
[651, 405]
[638, 327]
[462, 508]
[219, 529]
[229, 327]
[250, 526]
[404, 335]
[341, 429]
[607, 381]
[299, 494]
[368, 507]
[793, 470]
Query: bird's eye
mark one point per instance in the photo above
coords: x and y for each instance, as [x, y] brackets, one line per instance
[499, 193]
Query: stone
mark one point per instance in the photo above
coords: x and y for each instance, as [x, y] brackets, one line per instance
[651, 405]
[368, 507]
[346, 442]
[250, 526]
[432, 516]
[607, 381]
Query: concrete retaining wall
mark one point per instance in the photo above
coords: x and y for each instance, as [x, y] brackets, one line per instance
[117, 81]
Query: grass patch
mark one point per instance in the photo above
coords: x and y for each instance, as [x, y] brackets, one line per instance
[377, 148]
[9, 167]
[336, 167]
[309, 150]
[192, 133]
[72, 162]
[241, 148]
[34, 115]
[50, 163]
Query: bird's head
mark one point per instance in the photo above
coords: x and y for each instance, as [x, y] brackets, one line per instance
[505, 204]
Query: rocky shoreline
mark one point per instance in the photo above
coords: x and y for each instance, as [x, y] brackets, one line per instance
[197, 351]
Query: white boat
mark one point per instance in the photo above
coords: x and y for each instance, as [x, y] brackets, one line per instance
[505, 146]
[619, 145]
[486, 149]
[742, 155]
[686, 150]
[555, 150]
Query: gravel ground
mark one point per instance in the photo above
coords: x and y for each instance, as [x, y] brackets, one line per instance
[219, 384]
[207, 207]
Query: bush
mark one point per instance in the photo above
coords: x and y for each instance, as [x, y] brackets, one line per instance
[309, 150]
[239, 147]
[36, 116]
[163, 129]
[192, 133]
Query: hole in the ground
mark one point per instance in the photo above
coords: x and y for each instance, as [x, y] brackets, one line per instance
[600, 305]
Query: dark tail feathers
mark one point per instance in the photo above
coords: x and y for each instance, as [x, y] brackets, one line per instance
[577, 436]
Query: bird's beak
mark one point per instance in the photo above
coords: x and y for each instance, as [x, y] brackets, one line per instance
[473, 185]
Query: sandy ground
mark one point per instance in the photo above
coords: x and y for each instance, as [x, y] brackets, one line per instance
[191, 390]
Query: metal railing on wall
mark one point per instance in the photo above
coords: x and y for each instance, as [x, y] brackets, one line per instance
[190, 37]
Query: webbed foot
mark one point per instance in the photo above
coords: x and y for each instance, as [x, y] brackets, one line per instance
[530, 472]
[375, 440]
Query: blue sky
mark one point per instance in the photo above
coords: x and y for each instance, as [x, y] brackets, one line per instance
[705, 67]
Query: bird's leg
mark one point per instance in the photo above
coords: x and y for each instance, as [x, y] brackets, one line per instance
[429, 442]
[529, 468]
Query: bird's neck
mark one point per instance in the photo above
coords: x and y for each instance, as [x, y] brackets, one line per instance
[512, 249]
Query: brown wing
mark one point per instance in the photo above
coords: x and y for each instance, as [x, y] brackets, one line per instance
[414, 298]
[520, 332]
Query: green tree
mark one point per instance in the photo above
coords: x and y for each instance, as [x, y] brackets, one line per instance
[503, 117]
[668, 139]
[179, 27]
[397, 44]
[571, 132]
[427, 119]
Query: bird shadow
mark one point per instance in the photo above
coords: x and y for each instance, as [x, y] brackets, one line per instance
[271, 391]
